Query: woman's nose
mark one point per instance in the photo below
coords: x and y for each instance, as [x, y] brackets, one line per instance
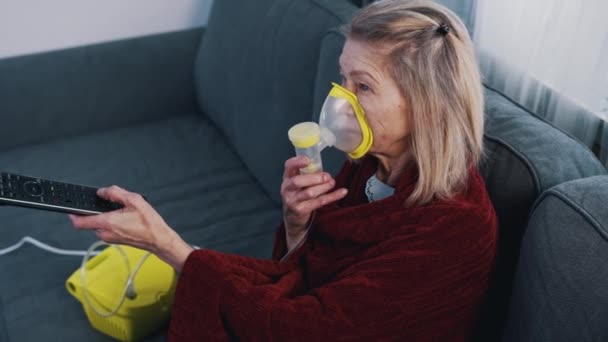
[348, 109]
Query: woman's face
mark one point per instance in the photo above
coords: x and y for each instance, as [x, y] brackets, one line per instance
[364, 73]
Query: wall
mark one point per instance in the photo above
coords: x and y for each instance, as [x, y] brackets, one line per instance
[29, 26]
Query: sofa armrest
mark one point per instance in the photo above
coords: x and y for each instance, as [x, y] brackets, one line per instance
[90, 88]
[560, 289]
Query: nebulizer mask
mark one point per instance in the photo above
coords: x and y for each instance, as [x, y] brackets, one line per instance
[342, 124]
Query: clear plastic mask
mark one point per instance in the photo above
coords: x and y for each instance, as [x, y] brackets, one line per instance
[343, 123]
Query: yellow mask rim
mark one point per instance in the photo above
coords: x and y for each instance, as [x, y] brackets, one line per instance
[367, 139]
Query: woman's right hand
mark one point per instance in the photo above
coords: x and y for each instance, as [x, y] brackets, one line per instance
[303, 194]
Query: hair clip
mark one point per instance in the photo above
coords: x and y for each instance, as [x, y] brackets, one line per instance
[443, 29]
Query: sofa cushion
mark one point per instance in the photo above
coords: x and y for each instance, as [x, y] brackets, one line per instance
[524, 156]
[255, 74]
[184, 167]
[560, 291]
[52, 95]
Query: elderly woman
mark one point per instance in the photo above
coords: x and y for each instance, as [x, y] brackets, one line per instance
[401, 243]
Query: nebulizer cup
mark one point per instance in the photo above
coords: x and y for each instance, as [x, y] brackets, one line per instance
[342, 124]
[306, 139]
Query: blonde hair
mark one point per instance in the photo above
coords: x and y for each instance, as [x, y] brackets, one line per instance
[432, 60]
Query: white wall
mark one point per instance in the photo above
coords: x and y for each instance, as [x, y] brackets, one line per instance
[28, 26]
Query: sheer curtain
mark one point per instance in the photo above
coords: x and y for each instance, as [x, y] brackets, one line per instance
[551, 57]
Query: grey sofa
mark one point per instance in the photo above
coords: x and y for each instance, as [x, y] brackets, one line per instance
[197, 120]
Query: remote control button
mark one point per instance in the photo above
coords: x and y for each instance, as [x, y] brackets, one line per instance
[33, 188]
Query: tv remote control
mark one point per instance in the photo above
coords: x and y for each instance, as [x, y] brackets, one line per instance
[50, 195]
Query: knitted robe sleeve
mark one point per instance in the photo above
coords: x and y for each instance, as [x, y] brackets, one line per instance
[408, 274]
[222, 297]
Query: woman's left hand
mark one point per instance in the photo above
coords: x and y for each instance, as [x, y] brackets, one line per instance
[137, 225]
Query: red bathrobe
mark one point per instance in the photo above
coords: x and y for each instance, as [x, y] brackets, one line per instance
[368, 271]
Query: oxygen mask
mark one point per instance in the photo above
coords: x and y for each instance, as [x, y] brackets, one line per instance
[342, 124]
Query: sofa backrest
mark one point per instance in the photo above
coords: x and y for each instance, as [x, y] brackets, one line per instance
[560, 292]
[525, 156]
[77, 91]
[256, 71]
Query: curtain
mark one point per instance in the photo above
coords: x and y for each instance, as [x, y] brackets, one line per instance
[551, 57]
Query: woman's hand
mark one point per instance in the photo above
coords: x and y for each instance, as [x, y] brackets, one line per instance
[303, 194]
[137, 225]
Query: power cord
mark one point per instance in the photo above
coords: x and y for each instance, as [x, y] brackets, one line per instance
[43, 246]
[129, 290]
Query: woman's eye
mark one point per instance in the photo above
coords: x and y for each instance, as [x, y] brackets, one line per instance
[363, 87]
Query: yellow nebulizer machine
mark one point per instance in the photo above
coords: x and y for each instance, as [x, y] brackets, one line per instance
[342, 124]
[126, 293]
